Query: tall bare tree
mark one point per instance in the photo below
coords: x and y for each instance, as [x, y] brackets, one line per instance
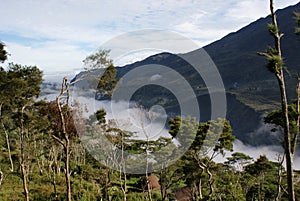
[275, 65]
[65, 130]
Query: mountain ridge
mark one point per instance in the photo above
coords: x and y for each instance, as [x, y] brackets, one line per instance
[251, 90]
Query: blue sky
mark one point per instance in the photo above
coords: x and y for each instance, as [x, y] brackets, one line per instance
[56, 35]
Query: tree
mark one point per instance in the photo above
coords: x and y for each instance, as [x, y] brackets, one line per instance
[212, 138]
[239, 160]
[206, 136]
[297, 17]
[20, 85]
[275, 65]
[228, 185]
[3, 53]
[64, 128]
[171, 177]
[107, 83]
[97, 60]
[5, 112]
[265, 173]
[100, 73]
[4, 94]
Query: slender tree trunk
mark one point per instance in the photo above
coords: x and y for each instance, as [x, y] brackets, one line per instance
[284, 103]
[1, 177]
[23, 169]
[8, 148]
[147, 164]
[163, 188]
[7, 141]
[148, 188]
[123, 170]
[295, 137]
[279, 179]
[287, 140]
[66, 141]
[200, 187]
[52, 175]
[210, 182]
[123, 185]
[67, 170]
[147, 180]
[205, 168]
[54, 186]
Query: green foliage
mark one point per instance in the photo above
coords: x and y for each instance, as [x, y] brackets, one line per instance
[272, 28]
[20, 84]
[297, 18]
[228, 184]
[183, 130]
[216, 134]
[100, 116]
[99, 59]
[238, 158]
[174, 124]
[107, 83]
[275, 117]
[143, 146]
[264, 172]
[91, 180]
[3, 53]
[275, 62]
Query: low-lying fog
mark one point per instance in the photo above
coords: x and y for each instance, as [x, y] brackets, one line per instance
[133, 119]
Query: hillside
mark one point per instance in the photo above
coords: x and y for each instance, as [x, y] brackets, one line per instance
[251, 89]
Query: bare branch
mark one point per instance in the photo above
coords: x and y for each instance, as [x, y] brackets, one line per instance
[58, 140]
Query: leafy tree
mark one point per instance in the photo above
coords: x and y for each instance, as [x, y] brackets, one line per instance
[228, 185]
[170, 177]
[20, 86]
[3, 53]
[265, 173]
[99, 63]
[239, 160]
[107, 83]
[97, 60]
[212, 138]
[183, 130]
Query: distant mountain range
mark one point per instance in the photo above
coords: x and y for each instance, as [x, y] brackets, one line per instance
[251, 89]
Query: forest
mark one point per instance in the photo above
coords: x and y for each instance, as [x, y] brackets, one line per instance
[43, 157]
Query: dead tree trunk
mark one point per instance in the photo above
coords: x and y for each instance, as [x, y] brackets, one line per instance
[65, 141]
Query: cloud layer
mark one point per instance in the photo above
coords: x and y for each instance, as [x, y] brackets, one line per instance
[57, 35]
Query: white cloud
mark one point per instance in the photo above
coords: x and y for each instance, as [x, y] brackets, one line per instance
[271, 152]
[134, 119]
[91, 23]
[50, 56]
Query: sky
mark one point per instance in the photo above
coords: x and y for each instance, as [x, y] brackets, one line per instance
[57, 35]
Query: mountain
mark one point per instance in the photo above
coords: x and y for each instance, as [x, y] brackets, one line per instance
[251, 90]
